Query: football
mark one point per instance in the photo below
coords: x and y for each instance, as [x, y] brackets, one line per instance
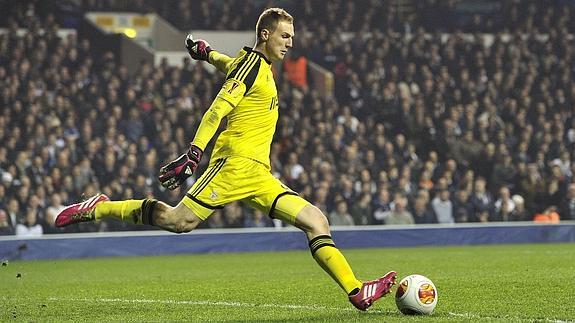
[416, 295]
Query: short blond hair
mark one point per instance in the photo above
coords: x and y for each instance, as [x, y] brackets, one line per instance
[270, 18]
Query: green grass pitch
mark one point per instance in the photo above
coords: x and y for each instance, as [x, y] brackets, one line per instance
[508, 283]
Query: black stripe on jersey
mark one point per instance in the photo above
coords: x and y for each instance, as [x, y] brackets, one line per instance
[250, 79]
[247, 67]
[276, 201]
[209, 176]
[207, 206]
[235, 70]
[247, 70]
[240, 66]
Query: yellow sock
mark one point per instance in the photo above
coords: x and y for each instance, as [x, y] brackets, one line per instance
[127, 211]
[333, 262]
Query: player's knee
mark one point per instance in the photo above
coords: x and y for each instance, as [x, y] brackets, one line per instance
[312, 221]
[322, 224]
[172, 219]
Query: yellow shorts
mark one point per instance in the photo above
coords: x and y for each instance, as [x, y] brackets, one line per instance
[242, 179]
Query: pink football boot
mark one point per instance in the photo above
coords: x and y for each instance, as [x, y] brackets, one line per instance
[80, 212]
[373, 290]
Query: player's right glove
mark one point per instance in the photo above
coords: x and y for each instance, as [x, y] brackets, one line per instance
[176, 172]
[199, 49]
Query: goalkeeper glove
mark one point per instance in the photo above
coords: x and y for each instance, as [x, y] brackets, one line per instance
[175, 173]
[198, 49]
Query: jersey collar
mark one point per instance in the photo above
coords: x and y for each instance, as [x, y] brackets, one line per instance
[249, 49]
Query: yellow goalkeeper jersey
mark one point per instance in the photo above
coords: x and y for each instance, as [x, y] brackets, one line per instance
[249, 100]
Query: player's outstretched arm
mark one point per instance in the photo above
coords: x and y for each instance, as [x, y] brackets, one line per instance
[176, 172]
[201, 50]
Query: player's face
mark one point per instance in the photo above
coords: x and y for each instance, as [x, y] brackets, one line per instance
[280, 41]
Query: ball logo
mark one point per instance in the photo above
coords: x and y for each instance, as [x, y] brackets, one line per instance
[401, 289]
[426, 294]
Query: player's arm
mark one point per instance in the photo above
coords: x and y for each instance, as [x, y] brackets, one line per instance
[176, 172]
[230, 95]
[211, 122]
[200, 49]
[221, 61]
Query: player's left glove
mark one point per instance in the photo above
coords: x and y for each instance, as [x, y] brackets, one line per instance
[176, 172]
[198, 49]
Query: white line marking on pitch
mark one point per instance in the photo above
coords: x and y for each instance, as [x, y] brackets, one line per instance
[213, 303]
[287, 306]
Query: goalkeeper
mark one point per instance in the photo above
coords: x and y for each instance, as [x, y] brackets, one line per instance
[239, 168]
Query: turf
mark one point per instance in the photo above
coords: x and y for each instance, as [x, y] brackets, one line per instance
[521, 283]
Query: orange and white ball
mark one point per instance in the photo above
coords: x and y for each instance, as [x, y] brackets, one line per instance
[416, 294]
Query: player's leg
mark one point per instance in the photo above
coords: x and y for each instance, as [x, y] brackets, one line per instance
[147, 211]
[297, 211]
[182, 218]
[177, 219]
[281, 203]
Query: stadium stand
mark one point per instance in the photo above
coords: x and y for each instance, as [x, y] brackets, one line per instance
[469, 127]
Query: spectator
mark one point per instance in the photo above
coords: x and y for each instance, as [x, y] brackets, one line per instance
[51, 212]
[503, 172]
[482, 202]
[443, 207]
[5, 226]
[293, 167]
[504, 206]
[463, 209]
[398, 213]
[14, 214]
[532, 188]
[567, 211]
[549, 215]
[486, 161]
[30, 226]
[362, 211]
[520, 213]
[422, 213]
[295, 67]
[340, 216]
[381, 205]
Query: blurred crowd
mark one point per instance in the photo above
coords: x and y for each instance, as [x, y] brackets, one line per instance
[493, 16]
[422, 129]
